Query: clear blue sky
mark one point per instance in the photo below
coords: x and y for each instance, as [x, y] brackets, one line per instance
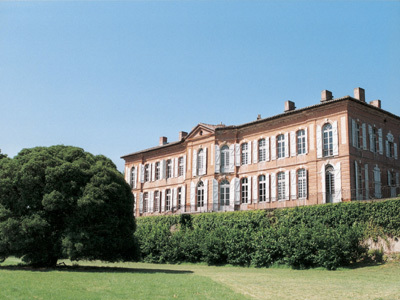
[113, 76]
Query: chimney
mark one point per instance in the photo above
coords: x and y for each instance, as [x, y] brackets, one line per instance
[376, 103]
[182, 135]
[258, 117]
[326, 95]
[359, 93]
[289, 106]
[163, 140]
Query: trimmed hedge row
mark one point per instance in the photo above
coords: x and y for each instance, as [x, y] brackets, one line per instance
[328, 235]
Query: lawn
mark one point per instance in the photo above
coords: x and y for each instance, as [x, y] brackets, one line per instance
[96, 280]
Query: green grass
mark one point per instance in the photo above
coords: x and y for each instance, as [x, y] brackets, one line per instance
[96, 280]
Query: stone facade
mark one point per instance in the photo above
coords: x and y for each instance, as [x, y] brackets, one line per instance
[338, 150]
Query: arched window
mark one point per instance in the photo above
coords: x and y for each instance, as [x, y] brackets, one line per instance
[224, 159]
[329, 183]
[301, 142]
[301, 183]
[327, 134]
[179, 197]
[262, 185]
[133, 177]
[224, 193]
[200, 194]
[180, 166]
[281, 146]
[261, 150]
[145, 202]
[245, 153]
[200, 162]
[244, 190]
[281, 185]
[168, 199]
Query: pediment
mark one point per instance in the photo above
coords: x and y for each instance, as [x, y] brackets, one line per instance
[201, 130]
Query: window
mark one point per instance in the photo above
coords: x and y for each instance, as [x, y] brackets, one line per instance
[281, 186]
[327, 134]
[200, 162]
[147, 173]
[302, 183]
[245, 190]
[169, 168]
[224, 159]
[158, 170]
[179, 198]
[245, 153]
[133, 177]
[262, 188]
[301, 142]
[374, 140]
[168, 199]
[261, 150]
[200, 194]
[330, 183]
[390, 149]
[224, 193]
[156, 201]
[180, 166]
[145, 202]
[357, 141]
[281, 146]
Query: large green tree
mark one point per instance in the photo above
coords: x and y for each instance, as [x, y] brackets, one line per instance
[62, 202]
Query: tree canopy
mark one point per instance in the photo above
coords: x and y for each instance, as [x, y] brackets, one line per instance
[62, 202]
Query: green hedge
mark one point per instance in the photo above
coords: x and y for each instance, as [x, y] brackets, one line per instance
[327, 235]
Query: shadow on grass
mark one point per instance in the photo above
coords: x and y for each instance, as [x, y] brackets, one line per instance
[94, 269]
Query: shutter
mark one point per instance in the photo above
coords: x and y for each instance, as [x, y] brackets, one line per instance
[231, 158]
[287, 144]
[176, 167]
[141, 173]
[397, 178]
[128, 175]
[395, 150]
[267, 148]
[217, 159]
[306, 135]
[323, 172]
[206, 194]
[338, 183]
[389, 178]
[215, 193]
[204, 162]
[162, 200]
[267, 187]
[249, 153]
[306, 186]
[387, 148]
[192, 196]
[357, 183]
[380, 183]
[273, 148]
[249, 186]
[184, 166]
[354, 133]
[141, 203]
[380, 141]
[366, 182]
[364, 129]
[293, 184]
[273, 186]
[153, 171]
[335, 138]
[255, 150]
[237, 191]
[319, 142]
[174, 199]
[371, 143]
[183, 200]
[151, 201]
[194, 164]
[287, 185]
[232, 193]
[292, 143]
[237, 155]
[255, 189]
[135, 174]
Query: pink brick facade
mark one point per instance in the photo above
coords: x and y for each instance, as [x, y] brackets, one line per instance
[339, 150]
